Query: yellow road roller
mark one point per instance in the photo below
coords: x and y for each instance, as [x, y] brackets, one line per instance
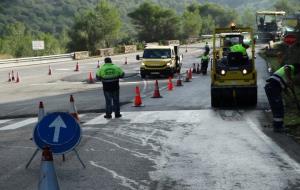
[233, 73]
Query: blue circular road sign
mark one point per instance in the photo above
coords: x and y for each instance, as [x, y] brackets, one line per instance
[59, 131]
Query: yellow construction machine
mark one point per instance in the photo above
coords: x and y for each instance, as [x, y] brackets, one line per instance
[233, 74]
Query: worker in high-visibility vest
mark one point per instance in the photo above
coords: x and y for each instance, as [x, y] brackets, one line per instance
[242, 48]
[204, 62]
[280, 81]
[109, 74]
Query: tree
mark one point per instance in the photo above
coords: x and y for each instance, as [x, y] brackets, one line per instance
[96, 28]
[284, 5]
[191, 24]
[16, 40]
[208, 25]
[222, 16]
[248, 18]
[155, 23]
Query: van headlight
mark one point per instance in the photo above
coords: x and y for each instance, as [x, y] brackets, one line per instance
[143, 64]
[169, 64]
[223, 72]
[244, 71]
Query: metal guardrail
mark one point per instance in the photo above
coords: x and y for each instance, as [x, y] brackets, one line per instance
[40, 58]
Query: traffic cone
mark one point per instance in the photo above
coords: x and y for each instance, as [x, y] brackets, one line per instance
[90, 79]
[98, 65]
[12, 75]
[156, 93]
[50, 71]
[125, 61]
[179, 81]
[41, 113]
[190, 74]
[198, 69]
[137, 99]
[194, 68]
[187, 78]
[9, 77]
[77, 67]
[48, 179]
[73, 110]
[170, 84]
[18, 78]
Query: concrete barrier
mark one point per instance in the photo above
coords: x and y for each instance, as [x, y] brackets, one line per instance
[129, 49]
[105, 52]
[81, 55]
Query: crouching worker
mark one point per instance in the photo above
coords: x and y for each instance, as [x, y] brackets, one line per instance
[280, 81]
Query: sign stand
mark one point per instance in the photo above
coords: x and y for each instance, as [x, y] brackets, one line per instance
[60, 132]
[37, 150]
[34, 154]
[83, 165]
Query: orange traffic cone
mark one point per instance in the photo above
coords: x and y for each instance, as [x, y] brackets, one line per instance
[170, 84]
[9, 77]
[73, 110]
[41, 113]
[194, 68]
[198, 69]
[48, 178]
[77, 67]
[12, 75]
[187, 78]
[98, 65]
[137, 99]
[90, 79]
[50, 71]
[179, 81]
[190, 74]
[18, 78]
[156, 93]
[125, 61]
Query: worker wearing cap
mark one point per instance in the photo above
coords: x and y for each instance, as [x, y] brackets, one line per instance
[109, 74]
[280, 81]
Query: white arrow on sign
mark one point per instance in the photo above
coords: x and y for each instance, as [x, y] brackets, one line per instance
[57, 123]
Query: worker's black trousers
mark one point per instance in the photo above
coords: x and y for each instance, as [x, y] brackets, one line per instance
[273, 91]
[204, 65]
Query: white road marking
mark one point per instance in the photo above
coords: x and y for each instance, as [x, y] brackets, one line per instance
[19, 124]
[63, 69]
[4, 121]
[281, 153]
[126, 182]
[134, 153]
[97, 120]
[145, 141]
[184, 116]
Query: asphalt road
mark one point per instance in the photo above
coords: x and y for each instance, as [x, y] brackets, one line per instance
[175, 142]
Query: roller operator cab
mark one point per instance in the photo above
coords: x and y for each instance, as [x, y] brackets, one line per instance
[233, 74]
[160, 60]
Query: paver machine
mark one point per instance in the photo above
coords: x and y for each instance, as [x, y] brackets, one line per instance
[269, 25]
[233, 75]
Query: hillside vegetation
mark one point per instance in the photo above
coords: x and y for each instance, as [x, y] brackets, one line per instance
[62, 24]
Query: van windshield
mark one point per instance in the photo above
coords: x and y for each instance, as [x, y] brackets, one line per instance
[157, 53]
